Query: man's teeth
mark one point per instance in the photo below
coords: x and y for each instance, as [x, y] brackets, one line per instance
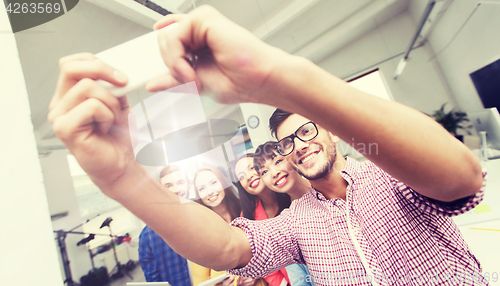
[281, 181]
[308, 158]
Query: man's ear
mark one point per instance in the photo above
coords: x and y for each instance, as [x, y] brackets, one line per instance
[333, 137]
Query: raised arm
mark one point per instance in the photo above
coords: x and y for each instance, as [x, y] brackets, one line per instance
[193, 231]
[93, 124]
[411, 146]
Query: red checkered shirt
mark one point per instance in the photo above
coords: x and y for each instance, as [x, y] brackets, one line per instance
[384, 232]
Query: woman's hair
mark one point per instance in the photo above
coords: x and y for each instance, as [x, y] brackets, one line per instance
[263, 153]
[249, 201]
[230, 199]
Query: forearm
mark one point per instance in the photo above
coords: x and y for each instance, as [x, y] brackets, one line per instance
[191, 230]
[404, 142]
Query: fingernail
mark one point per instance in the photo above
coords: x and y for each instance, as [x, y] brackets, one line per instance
[119, 76]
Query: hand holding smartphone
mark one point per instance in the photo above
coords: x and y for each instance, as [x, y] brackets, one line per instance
[140, 59]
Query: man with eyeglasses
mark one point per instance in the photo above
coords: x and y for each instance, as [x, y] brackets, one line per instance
[385, 222]
[378, 228]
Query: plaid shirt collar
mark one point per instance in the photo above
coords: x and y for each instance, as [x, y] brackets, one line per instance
[348, 173]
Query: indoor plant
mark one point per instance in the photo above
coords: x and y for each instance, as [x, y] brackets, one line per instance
[452, 121]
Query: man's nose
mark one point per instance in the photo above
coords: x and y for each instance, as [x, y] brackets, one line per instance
[300, 146]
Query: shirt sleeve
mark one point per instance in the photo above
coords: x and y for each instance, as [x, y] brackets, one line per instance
[429, 205]
[273, 245]
[146, 257]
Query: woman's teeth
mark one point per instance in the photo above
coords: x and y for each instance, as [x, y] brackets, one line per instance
[213, 198]
[254, 183]
[281, 181]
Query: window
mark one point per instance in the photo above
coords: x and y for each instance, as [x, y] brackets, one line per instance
[371, 83]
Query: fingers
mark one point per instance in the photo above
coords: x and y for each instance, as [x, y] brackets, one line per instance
[182, 42]
[124, 104]
[81, 104]
[89, 116]
[245, 281]
[175, 45]
[228, 281]
[76, 57]
[77, 67]
[161, 83]
[167, 20]
[82, 91]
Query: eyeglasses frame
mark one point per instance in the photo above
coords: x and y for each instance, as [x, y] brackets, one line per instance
[293, 136]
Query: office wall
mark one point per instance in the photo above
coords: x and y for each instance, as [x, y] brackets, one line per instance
[28, 253]
[421, 85]
[261, 134]
[465, 39]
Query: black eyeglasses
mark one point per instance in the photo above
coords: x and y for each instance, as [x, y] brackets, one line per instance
[307, 132]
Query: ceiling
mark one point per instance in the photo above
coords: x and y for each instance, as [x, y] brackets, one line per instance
[311, 28]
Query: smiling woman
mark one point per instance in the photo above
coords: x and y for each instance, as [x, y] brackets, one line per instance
[215, 192]
[253, 193]
[259, 203]
[277, 173]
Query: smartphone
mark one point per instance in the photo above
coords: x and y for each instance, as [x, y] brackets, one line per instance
[140, 59]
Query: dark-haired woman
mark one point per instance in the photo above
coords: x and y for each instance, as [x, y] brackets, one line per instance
[215, 192]
[258, 202]
[279, 176]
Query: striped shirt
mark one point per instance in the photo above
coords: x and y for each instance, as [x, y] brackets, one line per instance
[159, 262]
[384, 233]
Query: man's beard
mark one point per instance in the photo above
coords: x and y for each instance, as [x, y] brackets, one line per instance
[331, 156]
